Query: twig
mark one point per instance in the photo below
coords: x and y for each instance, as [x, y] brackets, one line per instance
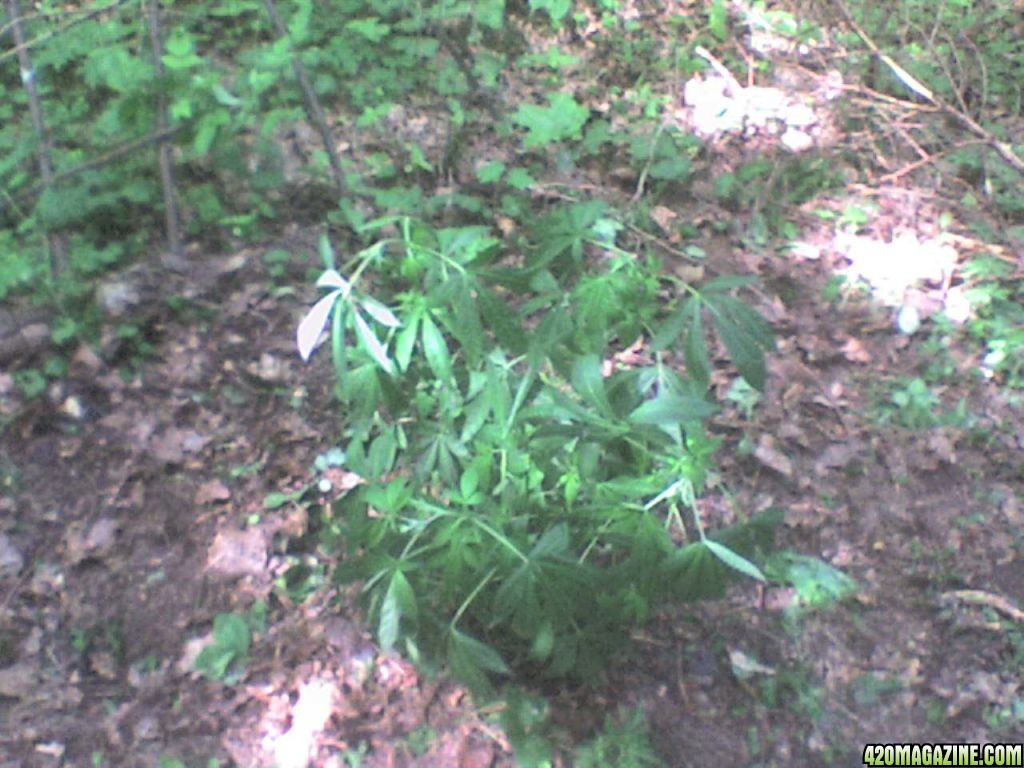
[313, 109]
[1004, 150]
[97, 162]
[26, 44]
[732, 84]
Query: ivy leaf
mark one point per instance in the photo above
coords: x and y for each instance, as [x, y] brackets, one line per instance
[313, 324]
[373, 345]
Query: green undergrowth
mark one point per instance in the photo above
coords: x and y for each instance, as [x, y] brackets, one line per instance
[525, 501]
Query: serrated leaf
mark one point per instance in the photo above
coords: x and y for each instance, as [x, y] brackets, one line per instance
[669, 409]
[467, 327]
[695, 351]
[555, 541]
[379, 312]
[480, 654]
[405, 341]
[373, 345]
[390, 619]
[746, 336]
[588, 382]
[693, 573]
[733, 560]
[501, 320]
[435, 348]
[672, 326]
[312, 325]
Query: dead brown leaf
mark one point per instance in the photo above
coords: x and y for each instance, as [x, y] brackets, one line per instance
[768, 453]
[236, 553]
[855, 351]
[212, 491]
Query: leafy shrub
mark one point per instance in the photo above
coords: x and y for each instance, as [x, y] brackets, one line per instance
[523, 503]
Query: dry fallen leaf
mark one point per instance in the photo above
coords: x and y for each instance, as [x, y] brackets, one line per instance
[212, 491]
[768, 454]
[855, 351]
[238, 553]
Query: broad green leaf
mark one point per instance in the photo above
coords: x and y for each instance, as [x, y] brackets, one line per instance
[372, 343]
[718, 20]
[435, 348]
[733, 560]
[312, 325]
[667, 409]
[563, 118]
[490, 172]
[232, 631]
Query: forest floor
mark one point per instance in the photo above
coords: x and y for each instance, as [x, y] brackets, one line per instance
[133, 512]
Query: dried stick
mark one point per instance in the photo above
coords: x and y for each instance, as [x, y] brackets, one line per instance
[175, 255]
[313, 109]
[89, 165]
[56, 241]
[1004, 149]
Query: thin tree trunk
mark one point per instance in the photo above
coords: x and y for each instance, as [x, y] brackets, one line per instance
[175, 254]
[55, 240]
[314, 111]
